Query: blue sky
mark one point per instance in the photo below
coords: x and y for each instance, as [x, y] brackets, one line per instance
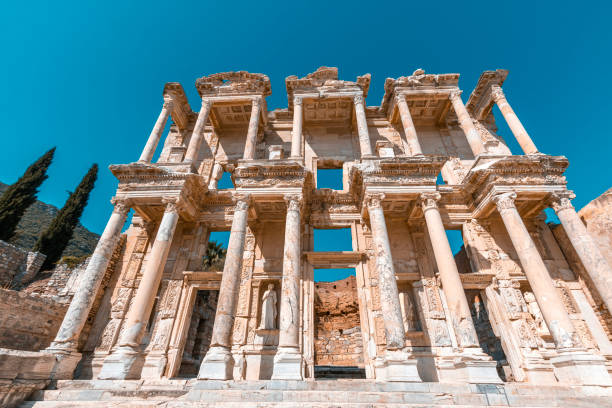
[87, 77]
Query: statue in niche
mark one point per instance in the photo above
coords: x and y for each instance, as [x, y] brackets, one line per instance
[268, 309]
[535, 311]
[409, 315]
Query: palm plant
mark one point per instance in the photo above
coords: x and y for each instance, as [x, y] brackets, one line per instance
[215, 257]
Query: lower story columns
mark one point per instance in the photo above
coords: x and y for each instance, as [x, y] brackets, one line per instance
[473, 365]
[398, 364]
[119, 364]
[288, 360]
[218, 364]
[573, 364]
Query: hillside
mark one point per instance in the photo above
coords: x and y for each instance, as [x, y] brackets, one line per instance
[38, 217]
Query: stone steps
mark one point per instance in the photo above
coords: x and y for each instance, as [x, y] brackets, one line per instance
[338, 393]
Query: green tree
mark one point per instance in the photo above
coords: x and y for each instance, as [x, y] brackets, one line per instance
[214, 258]
[19, 196]
[54, 239]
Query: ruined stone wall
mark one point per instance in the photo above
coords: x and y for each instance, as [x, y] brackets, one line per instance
[28, 322]
[17, 265]
[338, 338]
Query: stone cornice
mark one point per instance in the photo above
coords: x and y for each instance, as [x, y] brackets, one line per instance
[480, 102]
[234, 83]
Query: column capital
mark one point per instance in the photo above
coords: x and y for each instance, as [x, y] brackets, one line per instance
[256, 101]
[374, 200]
[168, 103]
[358, 99]
[497, 94]
[294, 201]
[298, 100]
[429, 201]
[242, 201]
[173, 204]
[454, 94]
[505, 201]
[400, 98]
[562, 200]
[206, 103]
[121, 205]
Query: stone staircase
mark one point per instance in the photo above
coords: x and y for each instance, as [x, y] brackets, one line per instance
[327, 393]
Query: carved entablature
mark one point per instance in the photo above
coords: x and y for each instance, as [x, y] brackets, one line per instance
[181, 110]
[426, 96]
[480, 102]
[324, 83]
[533, 178]
[266, 174]
[234, 84]
[401, 171]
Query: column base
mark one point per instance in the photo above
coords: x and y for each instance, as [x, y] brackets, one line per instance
[468, 367]
[539, 371]
[581, 368]
[66, 361]
[287, 364]
[397, 366]
[119, 365]
[154, 366]
[218, 364]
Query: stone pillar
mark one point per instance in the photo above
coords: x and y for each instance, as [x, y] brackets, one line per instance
[398, 364]
[551, 305]
[412, 147]
[218, 364]
[216, 174]
[465, 121]
[594, 263]
[296, 135]
[362, 127]
[288, 359]
[513, 121]
[64, 346]
[251, 138]
[156, 133]
[196, 137]
[452, 287]
[119, 363]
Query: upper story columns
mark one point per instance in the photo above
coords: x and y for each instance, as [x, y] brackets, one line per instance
[298, 123]
[513, 121]
[196, 137]
[156, 133]
[466, 124]
[251, 138]
[411, 143]
[362, 126]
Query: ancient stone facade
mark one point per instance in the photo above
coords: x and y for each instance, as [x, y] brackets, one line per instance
[514, 309]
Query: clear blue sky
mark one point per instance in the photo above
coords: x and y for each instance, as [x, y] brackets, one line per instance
[87, 77]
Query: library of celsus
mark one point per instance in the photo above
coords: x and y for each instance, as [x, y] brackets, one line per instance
[522, 304]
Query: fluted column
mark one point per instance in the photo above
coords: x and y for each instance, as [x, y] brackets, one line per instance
[251, 138]
[465, 121]
[296, 135]
[156, 133]
[452, 287]
[362, 126]
[118, 365]
[193, 149]
[288, 359]
[594, 262]
[218, 362]
[389, 294]
[412, 147]
[67, 336]
[515, 125]
[551, 305]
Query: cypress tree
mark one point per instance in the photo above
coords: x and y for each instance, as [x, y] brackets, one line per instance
[54, 239]
[19, 196]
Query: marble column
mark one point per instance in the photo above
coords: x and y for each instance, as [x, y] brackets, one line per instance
[452, 287]
[551, 305]
[515, 125]
[118, 365]
[412, 147]
[296, 135]
[288, 359]
[156, 133]
[362, 126]
[218, 364]
[251, 138]
[465, 121]
[398, 365]
[193, 149]
[586, 248]
[64, 346]
[216, 174]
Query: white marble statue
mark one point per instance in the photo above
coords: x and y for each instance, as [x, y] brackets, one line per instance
[268, 309]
